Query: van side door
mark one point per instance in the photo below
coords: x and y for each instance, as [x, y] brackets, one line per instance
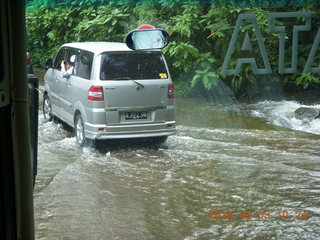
[53, 77]
[75, 88]
[66, 83]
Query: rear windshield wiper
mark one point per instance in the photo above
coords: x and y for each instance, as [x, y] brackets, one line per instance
[127, 78]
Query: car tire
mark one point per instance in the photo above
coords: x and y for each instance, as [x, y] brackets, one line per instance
[46, 108]
[79, 130]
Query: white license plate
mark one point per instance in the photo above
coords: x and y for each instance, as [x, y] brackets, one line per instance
[135, 115]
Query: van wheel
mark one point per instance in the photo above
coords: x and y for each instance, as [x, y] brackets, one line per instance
[46, 107]
[79, 130]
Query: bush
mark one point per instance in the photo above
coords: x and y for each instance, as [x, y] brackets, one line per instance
[200, 33]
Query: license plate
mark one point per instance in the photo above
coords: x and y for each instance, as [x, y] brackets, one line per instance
[135, 115]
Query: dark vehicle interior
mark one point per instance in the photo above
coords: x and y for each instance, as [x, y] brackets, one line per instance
[16, 154]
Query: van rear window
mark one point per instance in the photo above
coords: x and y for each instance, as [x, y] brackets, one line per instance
[126, 66]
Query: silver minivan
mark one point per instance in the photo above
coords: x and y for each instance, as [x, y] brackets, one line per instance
[112, 92]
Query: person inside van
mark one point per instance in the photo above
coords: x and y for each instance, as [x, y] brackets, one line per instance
[67, 67]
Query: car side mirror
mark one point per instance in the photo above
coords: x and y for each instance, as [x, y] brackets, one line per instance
[147, 39]
[48, 63]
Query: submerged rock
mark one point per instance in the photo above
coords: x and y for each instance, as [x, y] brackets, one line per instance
[307, 113]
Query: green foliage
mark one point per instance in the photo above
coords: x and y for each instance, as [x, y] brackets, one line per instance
[200, 33]
[305, 79]
[102, 24]
[182, 54]
[49, 29]
[209, 78]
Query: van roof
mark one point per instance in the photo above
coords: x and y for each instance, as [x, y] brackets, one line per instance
[98, 47]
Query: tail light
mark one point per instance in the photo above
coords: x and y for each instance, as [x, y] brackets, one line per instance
[96, 93]
[171, 91]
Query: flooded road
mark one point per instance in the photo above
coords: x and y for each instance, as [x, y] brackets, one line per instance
[236, 171]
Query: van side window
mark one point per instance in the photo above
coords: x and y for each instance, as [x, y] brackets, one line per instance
[72, 57]
[84, 64]
[61, 55]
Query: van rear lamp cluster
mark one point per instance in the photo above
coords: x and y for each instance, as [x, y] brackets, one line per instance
[171, 91]
[96, 93]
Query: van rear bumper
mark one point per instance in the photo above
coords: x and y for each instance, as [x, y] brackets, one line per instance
[93, 131]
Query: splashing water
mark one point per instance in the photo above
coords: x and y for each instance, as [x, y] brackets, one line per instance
[282, 114]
